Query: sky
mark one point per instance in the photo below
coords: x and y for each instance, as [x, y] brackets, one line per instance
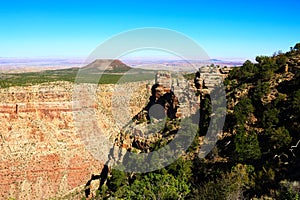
[224, 29]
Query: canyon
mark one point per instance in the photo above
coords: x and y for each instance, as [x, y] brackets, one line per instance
[44, 153]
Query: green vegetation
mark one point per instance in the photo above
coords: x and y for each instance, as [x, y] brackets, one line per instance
[189, 76]
[172, 182]
[266, 121]
[70, 75]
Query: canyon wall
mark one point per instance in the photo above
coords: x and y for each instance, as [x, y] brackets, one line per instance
[41, 154]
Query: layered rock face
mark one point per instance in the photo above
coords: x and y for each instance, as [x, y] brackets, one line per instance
[42, 155]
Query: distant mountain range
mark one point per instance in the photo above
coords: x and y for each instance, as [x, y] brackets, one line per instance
[220, 62]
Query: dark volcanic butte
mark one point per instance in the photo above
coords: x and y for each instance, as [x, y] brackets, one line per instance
[107, 65]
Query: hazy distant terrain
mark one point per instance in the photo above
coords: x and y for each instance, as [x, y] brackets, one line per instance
[37, 64]
[18, 65]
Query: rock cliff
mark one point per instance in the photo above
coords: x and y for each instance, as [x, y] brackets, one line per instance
[41, 155]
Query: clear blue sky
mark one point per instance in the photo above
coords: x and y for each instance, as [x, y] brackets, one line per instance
[225, 29]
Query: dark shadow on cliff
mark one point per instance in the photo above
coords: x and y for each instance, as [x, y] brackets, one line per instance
[102, 178]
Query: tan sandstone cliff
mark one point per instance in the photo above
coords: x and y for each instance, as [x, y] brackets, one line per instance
[41, 154]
